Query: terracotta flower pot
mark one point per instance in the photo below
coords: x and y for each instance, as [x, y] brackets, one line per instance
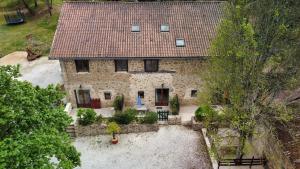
[114, 141]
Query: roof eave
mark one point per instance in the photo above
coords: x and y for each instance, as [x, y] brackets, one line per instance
[131, 58]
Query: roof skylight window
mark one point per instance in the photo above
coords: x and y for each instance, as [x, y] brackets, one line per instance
[180, 42]
[164, 28]
[135, 28]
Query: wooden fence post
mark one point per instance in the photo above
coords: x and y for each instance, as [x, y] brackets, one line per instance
[251, 161]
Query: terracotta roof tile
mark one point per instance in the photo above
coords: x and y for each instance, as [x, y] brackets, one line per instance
[103, 29]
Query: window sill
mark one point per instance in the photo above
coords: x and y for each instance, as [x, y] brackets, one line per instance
[161, 71]
[82, 73]
[121, 71]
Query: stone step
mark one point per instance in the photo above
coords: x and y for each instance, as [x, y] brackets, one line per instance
[186, 123]
[72, 134]
[162, 122]
[71, 130]
[71, 127]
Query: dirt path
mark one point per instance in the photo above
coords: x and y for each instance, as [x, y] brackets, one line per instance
[14, 58]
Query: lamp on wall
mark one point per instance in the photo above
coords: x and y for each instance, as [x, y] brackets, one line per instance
[80, 86]
[162, 85]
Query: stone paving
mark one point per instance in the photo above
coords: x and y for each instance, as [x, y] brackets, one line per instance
[186, 113]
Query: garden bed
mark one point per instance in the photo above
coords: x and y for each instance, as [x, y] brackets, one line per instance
[100, 129]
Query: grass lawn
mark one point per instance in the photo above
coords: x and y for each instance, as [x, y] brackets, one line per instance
[40, 27]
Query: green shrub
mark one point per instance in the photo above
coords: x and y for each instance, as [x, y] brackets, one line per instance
[99, 119]
[211, 115]
[212, 119]
[86, 116]
[125, 117]
[199, 114]
[174, 105]
[150, 118]
[118, 103]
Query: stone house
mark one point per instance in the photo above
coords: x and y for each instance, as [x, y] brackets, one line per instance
[154, 50]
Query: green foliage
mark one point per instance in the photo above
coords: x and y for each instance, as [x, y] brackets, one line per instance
[32, 123]
[126, 117]
[150, 118]
[174, 105]
[118, 103]
[200, 114]
[217, 97]
[86, 116]
[207, 113]
[10, 4]
[211, 118]
[99, 119]
[254, 57]
[112, 128]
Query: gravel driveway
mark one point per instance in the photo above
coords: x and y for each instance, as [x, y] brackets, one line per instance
[172, 147]
[40, 72]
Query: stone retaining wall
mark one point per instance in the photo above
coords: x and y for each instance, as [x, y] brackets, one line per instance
[98, 129]
[265, 143]
[197, 126]
[174, 120]
[138, 128]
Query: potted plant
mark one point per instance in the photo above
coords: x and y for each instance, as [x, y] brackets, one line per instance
[174, 105]
[113, 128]
[118, 103]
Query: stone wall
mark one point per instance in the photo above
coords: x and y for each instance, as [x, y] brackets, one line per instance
[101, 78]
[99, 129]
[265, 143]
[197, 126]
[174, 120]
[180, 76]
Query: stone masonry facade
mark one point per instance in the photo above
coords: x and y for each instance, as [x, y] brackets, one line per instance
[180, 76]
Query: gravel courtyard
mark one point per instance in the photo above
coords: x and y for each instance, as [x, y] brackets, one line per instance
[172, 147]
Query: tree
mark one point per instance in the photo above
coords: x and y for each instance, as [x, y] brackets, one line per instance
[49, 5]
[35, 4]
[27, 5]
[33, 123]
[254, 56]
